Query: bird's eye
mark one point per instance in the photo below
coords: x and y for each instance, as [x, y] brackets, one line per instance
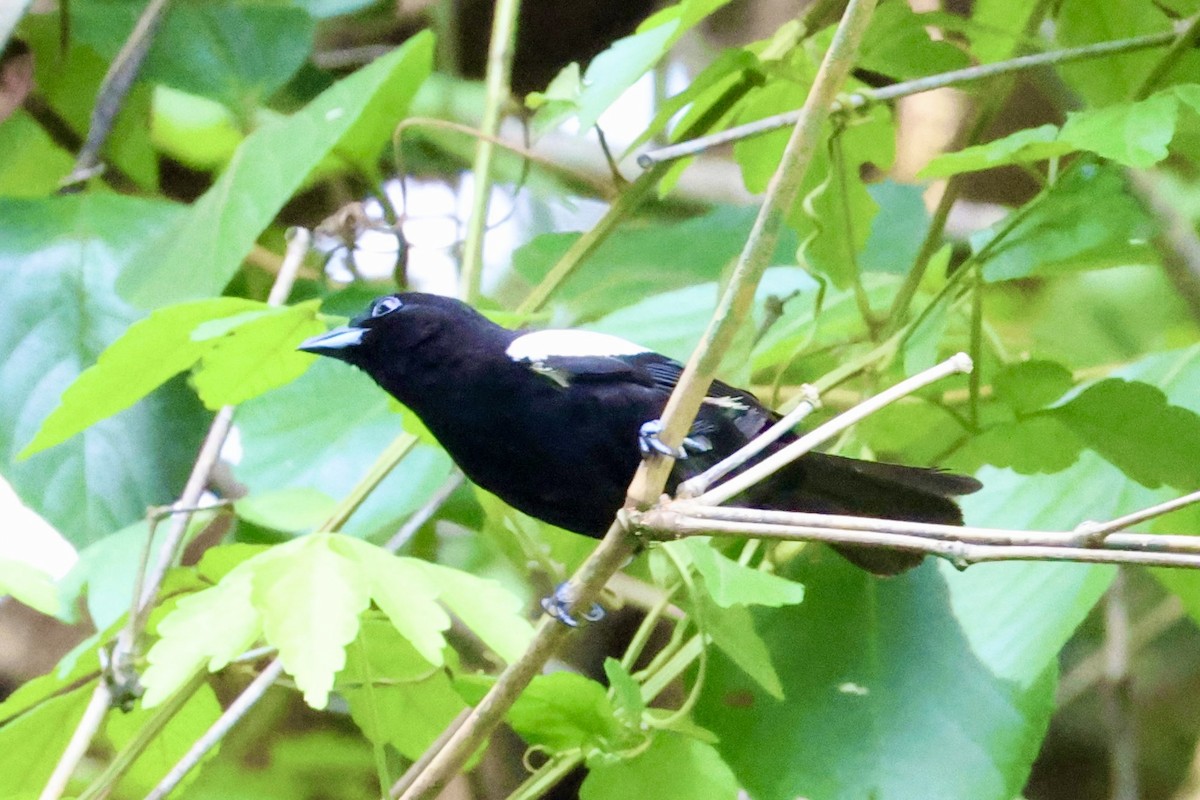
[385, 305]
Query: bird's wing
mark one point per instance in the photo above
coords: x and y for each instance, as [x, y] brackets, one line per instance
[575, 357]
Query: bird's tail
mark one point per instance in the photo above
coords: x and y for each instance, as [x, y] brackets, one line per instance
[829, 484]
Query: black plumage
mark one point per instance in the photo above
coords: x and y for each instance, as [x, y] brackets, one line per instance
[550, 421]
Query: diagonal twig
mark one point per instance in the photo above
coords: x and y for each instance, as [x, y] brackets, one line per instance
[739, 483]
[113, 90]
[617, 544]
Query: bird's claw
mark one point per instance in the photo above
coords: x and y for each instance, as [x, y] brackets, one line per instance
[558, 604]
[650, 443]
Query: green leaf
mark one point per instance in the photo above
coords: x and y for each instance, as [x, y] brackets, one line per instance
[257, 356]
[804, 326]
[1086, 221]
[999, 27]
[345, 421]
[648, 259]
[561, 96]
[266, 171]
[1038, 444]
[897, 231]
[1029, 144]
[1031, 385]
[33, 164]
[732, 630]
[897, 44]
[310, 598]
[404, 592]
[108, 569]
[29, 585]
[672, 322]
[70, 81]
[1115, 78]
[732, 584]
[1132, 425]
[69, 676]
[396, 696]
[564, 711]
[305, 598]
[864, 663]
[197, 132]
[207, 629]
[728, 66]
[833, 212]
[200, 48]
[59, 258]
[31, 745]
[1133, 134]
[290, 510]
[620, 66]
[1017, 615]
[674, 767]
[494, 613]
[145, 356]
[627, 702]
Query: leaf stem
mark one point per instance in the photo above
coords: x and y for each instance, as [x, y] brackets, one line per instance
[498, 92]
[384, 464]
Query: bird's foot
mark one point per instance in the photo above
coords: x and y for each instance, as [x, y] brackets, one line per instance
[650, 443]
[558, 604]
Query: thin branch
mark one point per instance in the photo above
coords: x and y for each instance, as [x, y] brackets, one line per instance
[237, 709]
[863, 98]
[739, 483]
[1099, 532]
[113, 90]
[498, 92]
[694, 487]
[597, 186]
[81, 740]
[666, 523]
[781, 194]
[149, 732]
[617, 545]
[1090, 670]
[1078, 538]
[1188, 34]
[1120, 716]
[629, 199]
[421, 764]
[425, 512]
[125, 649]
[1174, 238]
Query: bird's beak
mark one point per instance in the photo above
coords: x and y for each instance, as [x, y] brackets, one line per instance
[338, 343]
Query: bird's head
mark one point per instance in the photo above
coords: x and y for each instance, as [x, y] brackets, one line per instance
[395, 328]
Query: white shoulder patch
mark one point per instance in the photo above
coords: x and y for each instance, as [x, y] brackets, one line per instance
[541, 345]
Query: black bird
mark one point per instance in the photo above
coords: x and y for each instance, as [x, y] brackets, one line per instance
[554, 422]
